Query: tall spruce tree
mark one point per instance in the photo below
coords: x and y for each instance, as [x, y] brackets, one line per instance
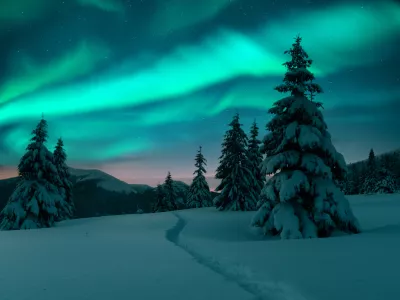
[199, 192]
[235, 172]
[302, 199]
[60, 157]
[171, 196]
[36, 200]
[255, 158]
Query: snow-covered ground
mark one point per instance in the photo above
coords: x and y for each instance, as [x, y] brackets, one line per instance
[202, 254]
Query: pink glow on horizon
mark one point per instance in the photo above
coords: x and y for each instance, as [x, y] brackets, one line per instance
[7, 172]
[124, 173]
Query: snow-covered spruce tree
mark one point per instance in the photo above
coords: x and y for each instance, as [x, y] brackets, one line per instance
[67, 210]
[36, 200]
[199, 192]
[235, 172]
[170, 193]
[160, 205]
[255, 158]
[302, 199]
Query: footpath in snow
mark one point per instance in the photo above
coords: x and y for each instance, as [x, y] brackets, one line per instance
[121, 257]
[233, 272]
[363, 266]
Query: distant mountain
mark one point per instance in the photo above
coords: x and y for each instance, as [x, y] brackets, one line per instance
[141, 188]
[104, 180]
[97, 193]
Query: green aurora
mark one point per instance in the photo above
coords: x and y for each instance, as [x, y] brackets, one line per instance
[145, 105]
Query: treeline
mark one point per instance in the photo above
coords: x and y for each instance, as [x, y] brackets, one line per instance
[239, 171]
[376, 175]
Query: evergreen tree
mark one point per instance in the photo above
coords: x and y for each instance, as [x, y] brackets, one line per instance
[371, 161]
[370, 178]
[255, 158]
[160, 205]
[170, 193]
[235, 172]
[302, 199]
[36, 200]
[199, 192]
[60, 157]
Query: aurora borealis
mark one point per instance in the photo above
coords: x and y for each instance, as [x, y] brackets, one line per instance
[134, 87]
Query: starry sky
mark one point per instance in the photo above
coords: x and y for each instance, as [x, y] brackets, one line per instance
[134, 87]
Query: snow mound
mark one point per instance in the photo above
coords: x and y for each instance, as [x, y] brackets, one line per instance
[104, 180]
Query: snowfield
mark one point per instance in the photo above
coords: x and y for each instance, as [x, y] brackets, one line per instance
[202, 254]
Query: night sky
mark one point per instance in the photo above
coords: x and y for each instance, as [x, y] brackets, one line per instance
[135, 87]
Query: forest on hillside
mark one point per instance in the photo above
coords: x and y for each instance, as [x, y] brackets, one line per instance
[375, 175]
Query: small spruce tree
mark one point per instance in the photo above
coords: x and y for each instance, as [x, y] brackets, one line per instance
[199, 192]
[159, 204]
[371, 164]
[370, 178]
[36, 199]
[67, 210]
[255, 158]
[171, 196]
[302, 199]
[235, 172]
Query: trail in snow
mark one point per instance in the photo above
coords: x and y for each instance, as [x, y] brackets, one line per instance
[241, 275]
